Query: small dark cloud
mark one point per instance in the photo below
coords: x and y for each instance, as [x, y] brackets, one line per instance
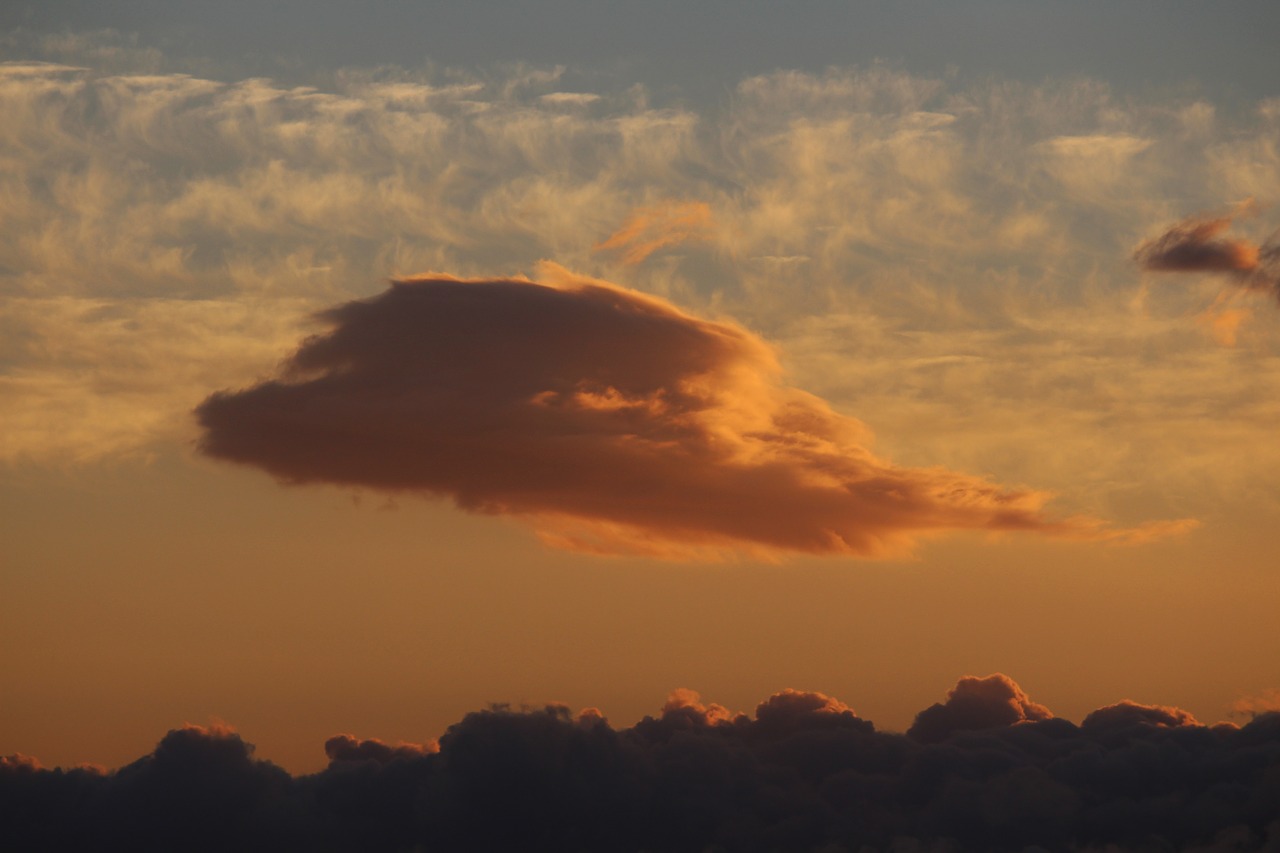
[346, 747]
[805, 773]
[610, 420]
[1198, 244]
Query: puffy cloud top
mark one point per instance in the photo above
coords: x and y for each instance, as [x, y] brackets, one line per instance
[805, 773]
[977, 703]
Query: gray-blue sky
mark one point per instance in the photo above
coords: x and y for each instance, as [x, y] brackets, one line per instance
[701, 50]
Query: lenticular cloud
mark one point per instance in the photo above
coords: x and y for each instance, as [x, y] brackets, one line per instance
[610, 420]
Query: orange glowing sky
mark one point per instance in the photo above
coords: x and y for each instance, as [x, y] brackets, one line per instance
[855, 377]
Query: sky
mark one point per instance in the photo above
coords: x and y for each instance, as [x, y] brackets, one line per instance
[365, 364]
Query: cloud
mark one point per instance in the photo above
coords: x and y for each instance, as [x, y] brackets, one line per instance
[804, 773]
[649, 229]
[977, 703]
[1253, 706]
[684, 708]
[610, 420]
[1196, 245]
[911, 217]
[1130, 713]
[345, 747]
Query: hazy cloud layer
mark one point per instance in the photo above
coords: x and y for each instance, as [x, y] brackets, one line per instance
[611, 419]
[805, 773]
[648, 230]
[915, 244]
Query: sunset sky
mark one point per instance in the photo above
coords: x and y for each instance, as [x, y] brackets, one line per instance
[365, 364]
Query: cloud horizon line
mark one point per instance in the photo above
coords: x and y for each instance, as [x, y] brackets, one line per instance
[988, 768]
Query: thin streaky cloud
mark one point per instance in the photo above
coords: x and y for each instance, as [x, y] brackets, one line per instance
[652, 228]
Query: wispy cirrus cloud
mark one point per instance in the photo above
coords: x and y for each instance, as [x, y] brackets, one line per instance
[1266, 702]
[914, 243]
[652, 228]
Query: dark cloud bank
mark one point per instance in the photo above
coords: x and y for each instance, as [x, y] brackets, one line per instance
[988, 769]
[610, 420]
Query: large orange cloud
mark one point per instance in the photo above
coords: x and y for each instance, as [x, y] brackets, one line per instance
[611, 420]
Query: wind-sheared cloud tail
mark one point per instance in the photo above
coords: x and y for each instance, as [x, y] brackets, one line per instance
[1198, 244]
[988, 770]
[611, 420]
[649, 229]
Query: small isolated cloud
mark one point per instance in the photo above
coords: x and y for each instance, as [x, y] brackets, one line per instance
[977, 703]
[1198, 244]
[610, 420]
[652, 228]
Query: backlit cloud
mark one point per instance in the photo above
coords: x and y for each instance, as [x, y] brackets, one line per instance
[611, 420]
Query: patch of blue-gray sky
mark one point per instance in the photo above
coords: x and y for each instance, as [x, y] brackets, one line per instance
[696, 53]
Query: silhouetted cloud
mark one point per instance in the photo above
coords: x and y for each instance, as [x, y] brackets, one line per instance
[1196, 245]
[804, 774]
[611, 420]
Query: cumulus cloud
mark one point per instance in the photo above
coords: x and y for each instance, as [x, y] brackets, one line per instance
[345, 747]
[1197, 244]
[611, 420]
[977, 703]
[1130, 713]
[804, 773]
